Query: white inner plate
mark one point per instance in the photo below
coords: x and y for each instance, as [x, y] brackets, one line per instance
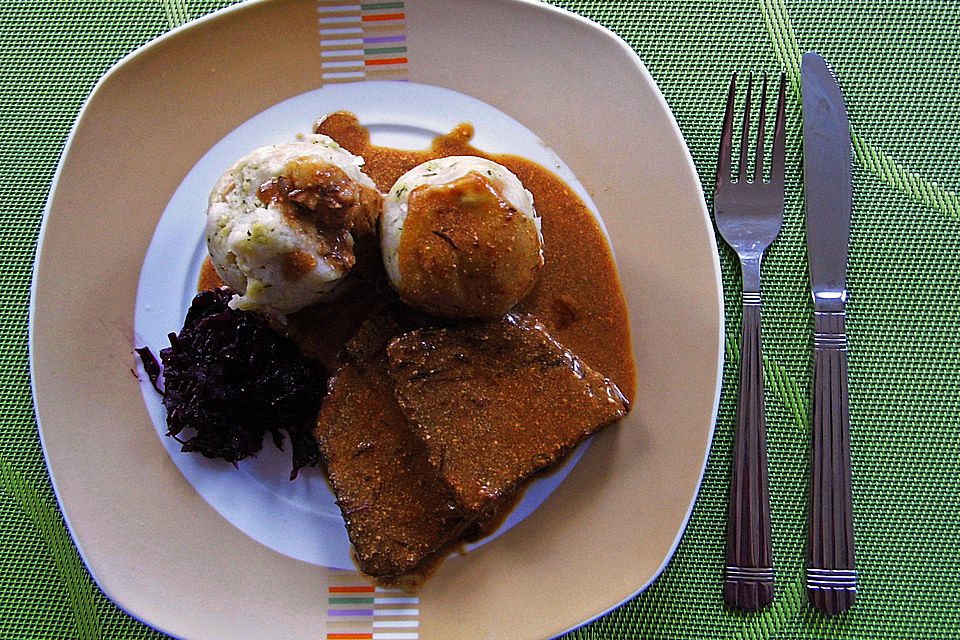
[258, 495]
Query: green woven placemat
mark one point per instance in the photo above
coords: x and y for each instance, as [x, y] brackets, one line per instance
[899, 65]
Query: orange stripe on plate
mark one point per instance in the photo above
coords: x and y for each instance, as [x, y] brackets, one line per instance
[377, 17]
[379, 61]
[349, 636]
[352, 589]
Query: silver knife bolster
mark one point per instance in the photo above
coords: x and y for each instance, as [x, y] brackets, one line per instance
[829, 299]
[830, 330]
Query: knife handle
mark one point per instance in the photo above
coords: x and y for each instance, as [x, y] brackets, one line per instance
[748, 583]
[831, 576]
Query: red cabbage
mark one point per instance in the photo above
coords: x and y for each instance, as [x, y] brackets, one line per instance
[229, 378]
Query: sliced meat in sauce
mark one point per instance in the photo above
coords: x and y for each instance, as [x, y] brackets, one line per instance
[495, 402]
[397, 511]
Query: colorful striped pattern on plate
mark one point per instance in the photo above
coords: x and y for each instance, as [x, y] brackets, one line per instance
[362, 40]
[360, 611]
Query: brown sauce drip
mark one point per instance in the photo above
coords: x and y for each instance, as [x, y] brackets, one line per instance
[325, 204]
[297, 264]
[208, 277]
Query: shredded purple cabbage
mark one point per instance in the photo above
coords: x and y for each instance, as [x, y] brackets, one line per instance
[230, 378]
[151, 366]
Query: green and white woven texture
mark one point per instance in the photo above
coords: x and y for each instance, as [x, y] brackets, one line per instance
[899, 66]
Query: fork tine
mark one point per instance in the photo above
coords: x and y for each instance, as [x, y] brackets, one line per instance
[745, 133]
[778, 164]
[726, 135]
[759, 158]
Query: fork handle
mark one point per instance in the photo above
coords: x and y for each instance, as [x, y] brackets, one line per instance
[748, 582]
[831, 575]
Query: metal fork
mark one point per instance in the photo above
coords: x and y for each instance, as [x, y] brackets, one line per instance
[749, 214]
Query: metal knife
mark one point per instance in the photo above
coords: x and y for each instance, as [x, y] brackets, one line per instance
[828, 190]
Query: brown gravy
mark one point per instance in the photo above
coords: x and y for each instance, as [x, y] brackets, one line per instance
[577, 295]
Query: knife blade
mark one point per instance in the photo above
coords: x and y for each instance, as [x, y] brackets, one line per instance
[828, 184]
[828, 191]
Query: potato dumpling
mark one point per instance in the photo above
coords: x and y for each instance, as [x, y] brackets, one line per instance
[281, 223]
[460, 238]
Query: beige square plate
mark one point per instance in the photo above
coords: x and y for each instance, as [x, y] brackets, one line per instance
[151, 541]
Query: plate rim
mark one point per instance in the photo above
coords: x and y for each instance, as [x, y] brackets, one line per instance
[145, 48]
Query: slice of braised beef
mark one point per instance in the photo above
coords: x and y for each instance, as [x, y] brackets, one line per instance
[397, 511]
[495, 402]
